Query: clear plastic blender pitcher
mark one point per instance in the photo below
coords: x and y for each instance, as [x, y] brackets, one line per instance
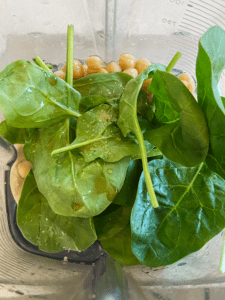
[152, 29]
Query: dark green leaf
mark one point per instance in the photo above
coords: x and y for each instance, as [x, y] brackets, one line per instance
[74, 187]
[210, 63]
[184, 141]
[214, 165]
[191, 212]
[49, 231]
[111, 221]
[13, 135]
[30, 97]
[119, 247]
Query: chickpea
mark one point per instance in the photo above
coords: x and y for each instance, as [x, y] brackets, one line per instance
[142, 64]
[102, 70]
[131, 71]
[78, 70]
[191, 84]
[60, 74]
[94, 62]
[92, 71]
[113, 67]
[85, 70]
[24, 168]
[126, 61]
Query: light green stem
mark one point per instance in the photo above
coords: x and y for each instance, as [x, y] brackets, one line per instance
[148, 179]
[71, 147]
[69, 59]
[173, 62]
[41, 64]
[222, 257]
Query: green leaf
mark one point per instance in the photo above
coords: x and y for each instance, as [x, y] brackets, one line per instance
[214, 165]
[128, 120]
[74, 187]
[184, 141]
[13, 135]
[191, 212]
[119, 247]
[30, 97]
[106, 86]
[49, 231]
[111, 221]
[97, 135]
[209, 65]
[127, 194]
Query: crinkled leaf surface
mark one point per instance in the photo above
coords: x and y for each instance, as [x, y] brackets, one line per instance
[191, 212]
[13, 135]
[209, 65]
[71, 186]
[30, 97]
[49, 231]
[185, 141]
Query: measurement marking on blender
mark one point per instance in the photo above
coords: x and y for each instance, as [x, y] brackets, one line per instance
[201, 30]
[197, 19]
[209, 9]
[205, 12]
[187, 53]
[13, 269]
[205, 27]
[184, 46]
[197, 36]
[13, 265]
[218, 3]
[177, 2]
[201, 16]
[170, 22]
[211, 5]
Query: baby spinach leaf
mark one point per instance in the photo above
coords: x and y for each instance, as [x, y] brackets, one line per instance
[184, 141]
[128, 121]
[30, 97]
[164, 113]
[119, 247]
[191, 212]
[13, 135]
[209, 65]
[97, 135]
[110, 222]
[144, 107]
[49, 231]
[108, 86]
[74, 187]
[127, 194]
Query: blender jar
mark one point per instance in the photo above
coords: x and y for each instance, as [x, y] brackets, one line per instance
[152, 29]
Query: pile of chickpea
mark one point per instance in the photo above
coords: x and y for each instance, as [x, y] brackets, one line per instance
[126, 64]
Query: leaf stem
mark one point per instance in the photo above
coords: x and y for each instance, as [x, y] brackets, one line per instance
[41, 64]
[173, 62]
[71, 147]
[222, 257]
[148, 179]
[69, 59]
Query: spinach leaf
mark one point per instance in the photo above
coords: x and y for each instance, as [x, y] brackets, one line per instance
[128, 121]
[106, 86]
[184, 141]
[111, 221]
[30, 97]
[144, 107]
[13, 135]
[191, 212]
[97, 135]
[49, 231]
[74, 187]
[119, 247]
[214, 165]
[127, 194]
[209, 65]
